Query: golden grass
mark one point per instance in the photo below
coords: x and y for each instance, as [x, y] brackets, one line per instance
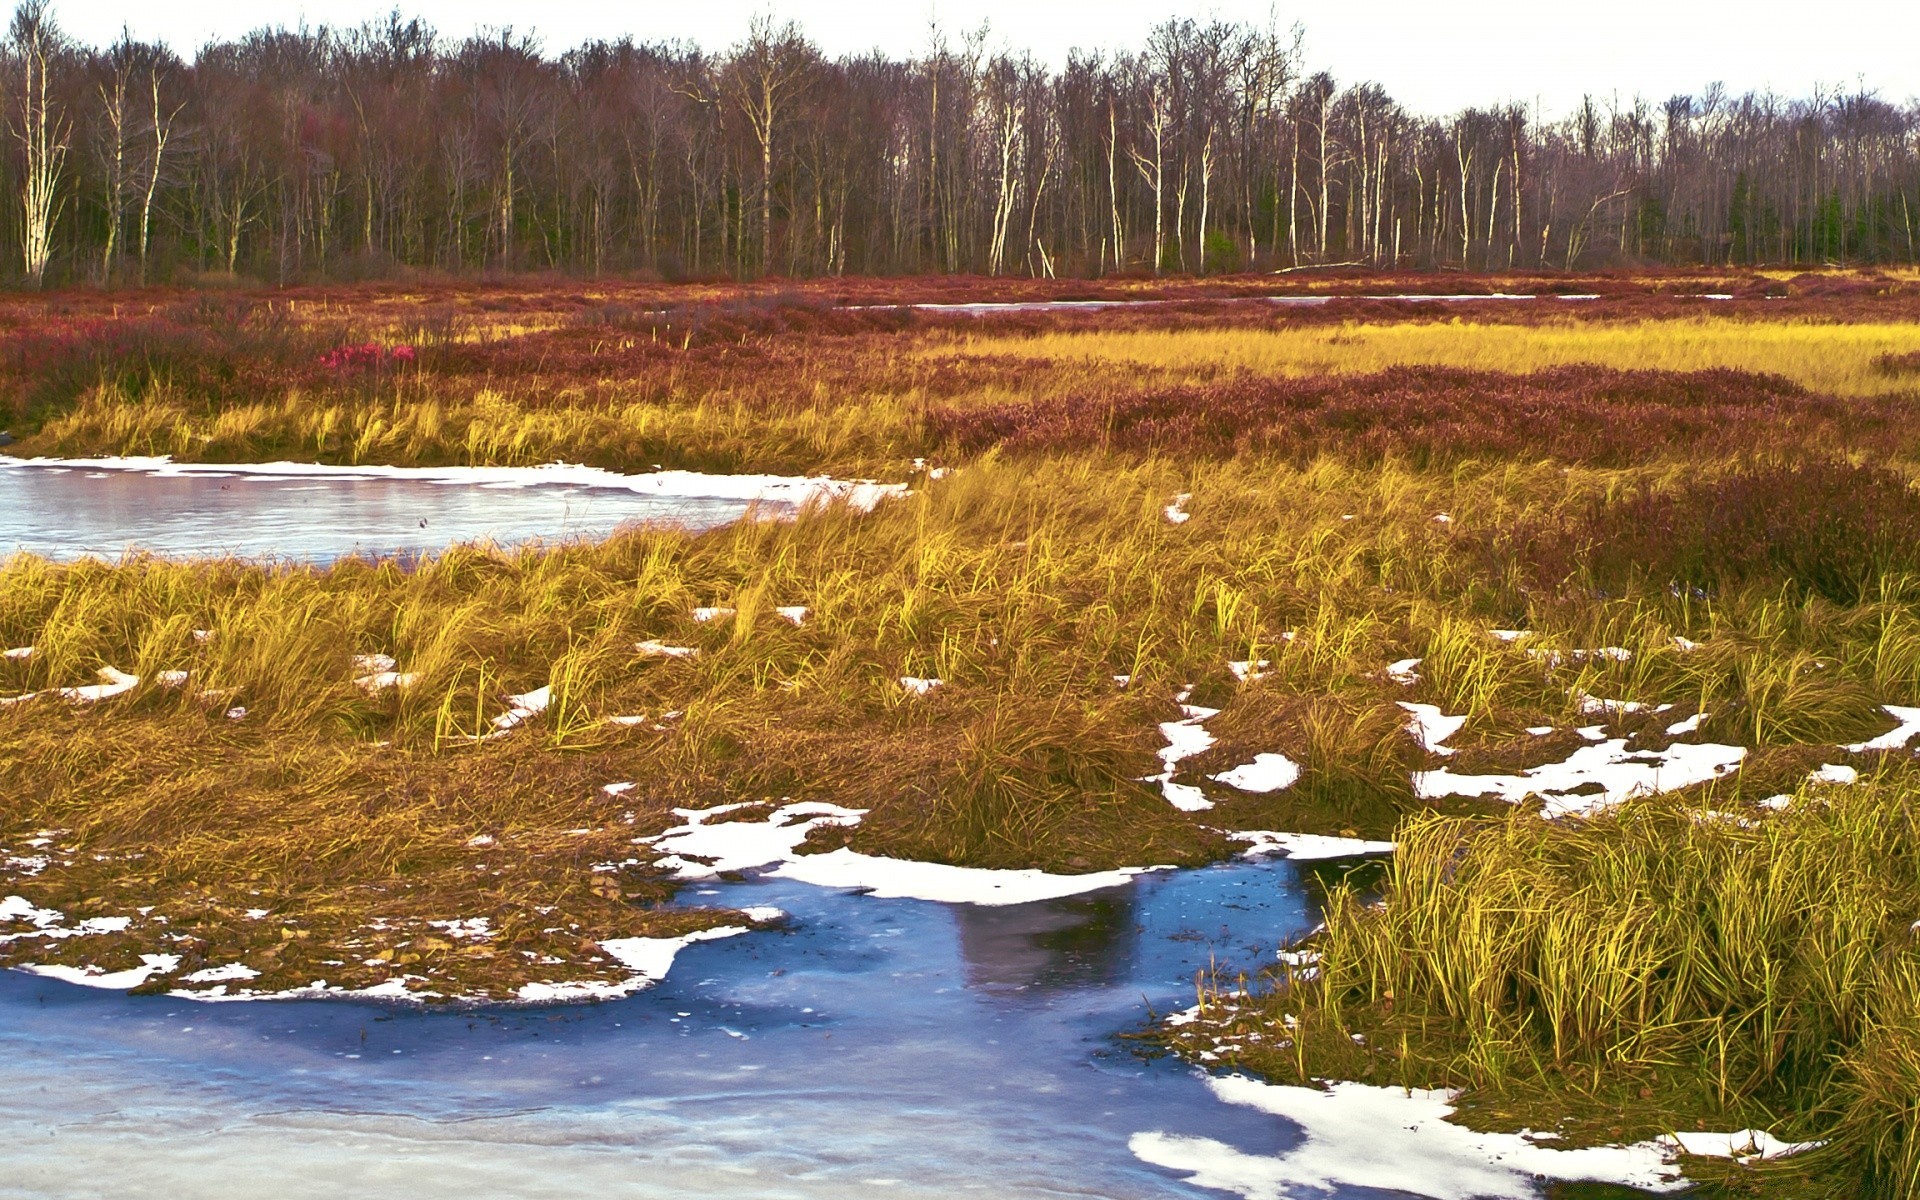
[1835, 358]
[1026, 584]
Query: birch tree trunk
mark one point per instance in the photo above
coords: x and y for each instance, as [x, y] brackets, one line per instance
[42, 131]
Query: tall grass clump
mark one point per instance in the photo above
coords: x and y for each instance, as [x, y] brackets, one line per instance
[1658, 968]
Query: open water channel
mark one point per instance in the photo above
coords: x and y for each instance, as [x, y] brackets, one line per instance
[869, 1047]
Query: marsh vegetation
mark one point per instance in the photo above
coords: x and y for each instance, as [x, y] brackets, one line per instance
[1633, 528]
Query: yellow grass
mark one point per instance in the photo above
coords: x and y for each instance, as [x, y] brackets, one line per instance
[1836, 358]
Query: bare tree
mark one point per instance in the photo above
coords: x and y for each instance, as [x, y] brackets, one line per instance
[42, 129]
[765, 73]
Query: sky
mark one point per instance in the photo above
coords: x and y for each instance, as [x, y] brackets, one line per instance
[1433, 56]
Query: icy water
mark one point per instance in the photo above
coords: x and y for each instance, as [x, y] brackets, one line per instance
[990, 307]
[66, 510]
[885, 1048]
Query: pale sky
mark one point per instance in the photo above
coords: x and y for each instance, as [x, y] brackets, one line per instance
[1432, 55]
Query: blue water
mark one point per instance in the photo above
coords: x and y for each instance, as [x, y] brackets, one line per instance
[66, 512]
[874, 1047]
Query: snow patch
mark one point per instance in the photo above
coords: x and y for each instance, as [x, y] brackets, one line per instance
[1690, 725]
[222, 974]
[1431, 727]
[902, 879]
[1359, 1137]
[656, 649]
[1897, 738]
[704, 848]
[113, 682]
[1746, 1145]
[1593, 778]
[1185, 738]
[1266, 773]
[796, 492]
[1305, 846]
[521, 709]
[94, 977]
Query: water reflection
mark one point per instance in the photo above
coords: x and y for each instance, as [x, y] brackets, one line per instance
[66, 513]
[1087, 941]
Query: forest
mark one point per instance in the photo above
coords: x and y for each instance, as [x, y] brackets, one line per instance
[323, 153]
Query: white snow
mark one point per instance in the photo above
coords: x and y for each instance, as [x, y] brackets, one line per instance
[1185, 738]
[1834, 773]
[18, 653]
[1250, 671]
[656, 649]
[1897, 739]
[918, 686]
[1511, 635]
[713, 613]
[1594, 706]
[1431, 727]
[1690, 725]
[112, 683]
[1620, 774]
[1177, 511]
[901, 879]
[703, 847]
[647, 959]
[381, 681]
[521, 709]
[1359, 1137]
[19, 908]
[1404, 671]
[796, 614]
[468, 928]
[1266, 773]
[798, 491]
[375, 673]
[222, 974]
[94, 977]
[1305, 846]
[1557, 658]
[1746, 1145]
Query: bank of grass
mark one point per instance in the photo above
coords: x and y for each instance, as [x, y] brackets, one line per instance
[1751, 541]
[1026, 585]
[792, 383]
[1666, 967]
[1840, 358]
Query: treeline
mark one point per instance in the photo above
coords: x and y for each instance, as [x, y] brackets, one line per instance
[349, 153]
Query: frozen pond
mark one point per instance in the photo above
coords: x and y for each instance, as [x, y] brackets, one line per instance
[66, 509]
[876, 1047]
[990, 307]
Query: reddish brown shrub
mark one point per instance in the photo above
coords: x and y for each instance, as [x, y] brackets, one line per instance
[1581, 414]
[1827, 528]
